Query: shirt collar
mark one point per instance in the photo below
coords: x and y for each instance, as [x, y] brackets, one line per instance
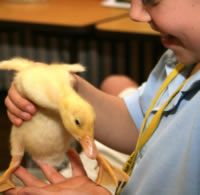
[170, 63]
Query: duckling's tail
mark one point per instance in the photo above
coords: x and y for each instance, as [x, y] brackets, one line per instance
[5, 183]
[108, 174]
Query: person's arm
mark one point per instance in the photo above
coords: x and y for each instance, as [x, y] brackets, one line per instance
[114, 126]
[78, 184]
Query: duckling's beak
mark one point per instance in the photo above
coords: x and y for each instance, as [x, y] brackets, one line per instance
[89, 146]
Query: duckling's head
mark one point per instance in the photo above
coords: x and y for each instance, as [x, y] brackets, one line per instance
[78, 118]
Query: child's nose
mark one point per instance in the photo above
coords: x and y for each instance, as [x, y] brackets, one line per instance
[138, 12]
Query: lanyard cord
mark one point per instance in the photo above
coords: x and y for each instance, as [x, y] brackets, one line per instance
[146, 133]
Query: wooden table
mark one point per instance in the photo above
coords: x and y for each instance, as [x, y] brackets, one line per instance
[67, 13]
[46, 24]
[126, 25]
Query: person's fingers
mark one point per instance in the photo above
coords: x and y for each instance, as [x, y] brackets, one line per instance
[76, 164]
[50, 172]
[14, 120]
[14, 110]
[28, 179]
[22, 103]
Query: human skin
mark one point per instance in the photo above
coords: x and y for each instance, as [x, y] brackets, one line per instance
[178, 23]
[115, 84]
[79, 183]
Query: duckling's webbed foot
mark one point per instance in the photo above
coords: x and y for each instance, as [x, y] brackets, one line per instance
[108, 174]
[5, 179]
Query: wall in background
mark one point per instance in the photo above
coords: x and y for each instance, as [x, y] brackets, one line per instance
[102, 54]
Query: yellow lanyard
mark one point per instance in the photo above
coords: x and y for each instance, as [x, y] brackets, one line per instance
[146, 133]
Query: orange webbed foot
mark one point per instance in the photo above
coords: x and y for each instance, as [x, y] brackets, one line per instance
[5, 181]
[108, 174]
[6, 184]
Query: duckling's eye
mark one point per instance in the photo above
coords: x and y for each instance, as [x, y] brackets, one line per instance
[77, 122]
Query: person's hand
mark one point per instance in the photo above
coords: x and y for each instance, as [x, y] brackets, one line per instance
[19, 108]
[78, 184]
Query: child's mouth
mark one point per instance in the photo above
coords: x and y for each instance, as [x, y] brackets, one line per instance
[169, 40]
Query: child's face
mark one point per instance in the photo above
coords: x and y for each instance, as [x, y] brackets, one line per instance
[178, 21]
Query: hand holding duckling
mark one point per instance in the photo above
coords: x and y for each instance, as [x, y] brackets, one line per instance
[79, 183]
[62, 116]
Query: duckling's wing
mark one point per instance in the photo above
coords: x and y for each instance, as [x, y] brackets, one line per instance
[40, 82]
[44, 84]
[17, 64]
[74, 68]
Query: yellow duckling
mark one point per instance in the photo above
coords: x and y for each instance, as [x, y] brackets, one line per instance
[62, 116]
